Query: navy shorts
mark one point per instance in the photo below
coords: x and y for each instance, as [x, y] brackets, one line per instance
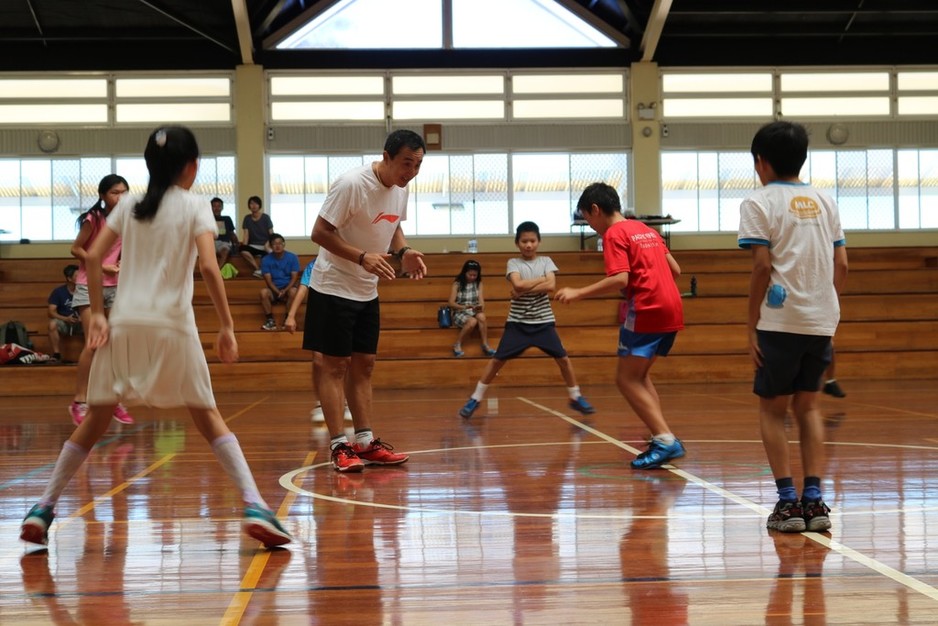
[791, 363]
[338, 326]
[519, 337]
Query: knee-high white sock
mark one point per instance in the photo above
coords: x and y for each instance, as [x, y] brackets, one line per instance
[229, 454]
[70, 459]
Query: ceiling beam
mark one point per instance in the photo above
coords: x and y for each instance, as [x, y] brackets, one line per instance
[165, 13]
[243, 26]
[659, 15]
[36, 22]
[601, 25]
[314, 10]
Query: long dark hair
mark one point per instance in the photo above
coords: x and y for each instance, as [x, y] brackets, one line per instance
[169, 149]
[471, 264]
[97, 209]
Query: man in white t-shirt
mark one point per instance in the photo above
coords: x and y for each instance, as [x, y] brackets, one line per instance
[799, 266]
[359, 223]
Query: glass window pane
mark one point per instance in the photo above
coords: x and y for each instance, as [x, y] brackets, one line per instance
[567, 83]
[918, 105]
[711, 83]
[546, 24]
[829, 107]
[542, 191]
[172, 87]
[174, 112]
[297, 111]
[835, 81]
[53, 113]
[490, 187]
[327, 86]
[448, 110]
[565, 109]
[717, 107]
[468, 84]
[372, 24]
[917, 81]
[58, 88]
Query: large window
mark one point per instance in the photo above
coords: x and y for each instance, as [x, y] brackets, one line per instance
[456, 194]
[874, 189]
[40, 199]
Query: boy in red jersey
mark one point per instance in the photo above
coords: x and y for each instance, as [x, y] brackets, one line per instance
[640, 266]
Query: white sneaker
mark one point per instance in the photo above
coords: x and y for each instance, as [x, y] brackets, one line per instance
[316, 414]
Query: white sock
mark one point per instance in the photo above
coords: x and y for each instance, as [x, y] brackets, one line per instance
[479, 393]
[338, 441]
[364, 438]
[665, 438]
[574, 392]
[70, 459]
[229, 454]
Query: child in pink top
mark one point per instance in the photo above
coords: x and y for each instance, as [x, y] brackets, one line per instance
[91, 223]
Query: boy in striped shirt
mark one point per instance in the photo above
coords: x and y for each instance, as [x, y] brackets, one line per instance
[530, 320]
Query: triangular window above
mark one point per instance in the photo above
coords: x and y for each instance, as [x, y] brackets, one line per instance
[418, 24]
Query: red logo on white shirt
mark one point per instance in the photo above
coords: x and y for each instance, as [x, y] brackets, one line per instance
[387, 217]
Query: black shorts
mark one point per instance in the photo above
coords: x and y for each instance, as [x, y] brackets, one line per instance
[519, 337]
[255, 250]
[338, 326]
[791, 363]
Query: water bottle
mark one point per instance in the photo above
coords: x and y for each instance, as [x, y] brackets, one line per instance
[473, 246]
[599, 244]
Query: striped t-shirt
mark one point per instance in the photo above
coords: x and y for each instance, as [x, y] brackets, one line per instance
[531, 308]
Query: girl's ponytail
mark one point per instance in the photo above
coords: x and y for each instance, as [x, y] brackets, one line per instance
[169, 149]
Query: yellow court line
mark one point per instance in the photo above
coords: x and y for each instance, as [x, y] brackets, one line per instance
[237, 414]
[239, 603]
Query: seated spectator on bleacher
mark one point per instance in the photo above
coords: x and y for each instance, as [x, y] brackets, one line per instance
[281, 271]
[63, 319]
[226, 238]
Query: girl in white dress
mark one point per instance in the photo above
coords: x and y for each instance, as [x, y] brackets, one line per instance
[148, 351]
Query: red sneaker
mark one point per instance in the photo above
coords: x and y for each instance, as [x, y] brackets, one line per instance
[379, 453]
[121, 414]
[344, 459]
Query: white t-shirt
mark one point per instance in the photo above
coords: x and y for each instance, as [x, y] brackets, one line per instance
[531, 308]
[365, 213]
[801, 227]
[158, 259]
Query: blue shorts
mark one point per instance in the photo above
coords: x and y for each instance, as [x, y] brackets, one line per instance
[644, 345]
[791, 363]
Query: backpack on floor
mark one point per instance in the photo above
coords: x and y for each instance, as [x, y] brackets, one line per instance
[15, 332]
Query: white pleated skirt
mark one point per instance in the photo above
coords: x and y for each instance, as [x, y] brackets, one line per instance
[153, 366]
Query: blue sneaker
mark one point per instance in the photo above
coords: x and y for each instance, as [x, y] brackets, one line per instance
[658, 454]
[469, 408]
[581, 405]
[261, 524]
[35, 528]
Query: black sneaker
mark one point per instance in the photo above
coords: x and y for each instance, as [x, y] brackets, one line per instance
[787, 517]
[815, 515]
[831, 388]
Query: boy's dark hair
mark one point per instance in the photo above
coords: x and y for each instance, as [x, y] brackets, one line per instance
[403, 138]
[602, 195]
[783, 145]
[527, 227]
[256, 199]
[216, 199]
[104, 186]
[70, 270]
[273, 236]
[471, 264]
[169, 150]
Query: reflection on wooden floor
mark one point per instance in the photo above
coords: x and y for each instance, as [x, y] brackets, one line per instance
[526, 514]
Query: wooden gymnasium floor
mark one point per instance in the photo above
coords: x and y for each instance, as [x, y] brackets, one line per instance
[526, 514]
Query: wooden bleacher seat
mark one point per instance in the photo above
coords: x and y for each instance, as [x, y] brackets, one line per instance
[889, 324]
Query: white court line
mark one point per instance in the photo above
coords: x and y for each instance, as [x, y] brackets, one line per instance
[878, 567]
